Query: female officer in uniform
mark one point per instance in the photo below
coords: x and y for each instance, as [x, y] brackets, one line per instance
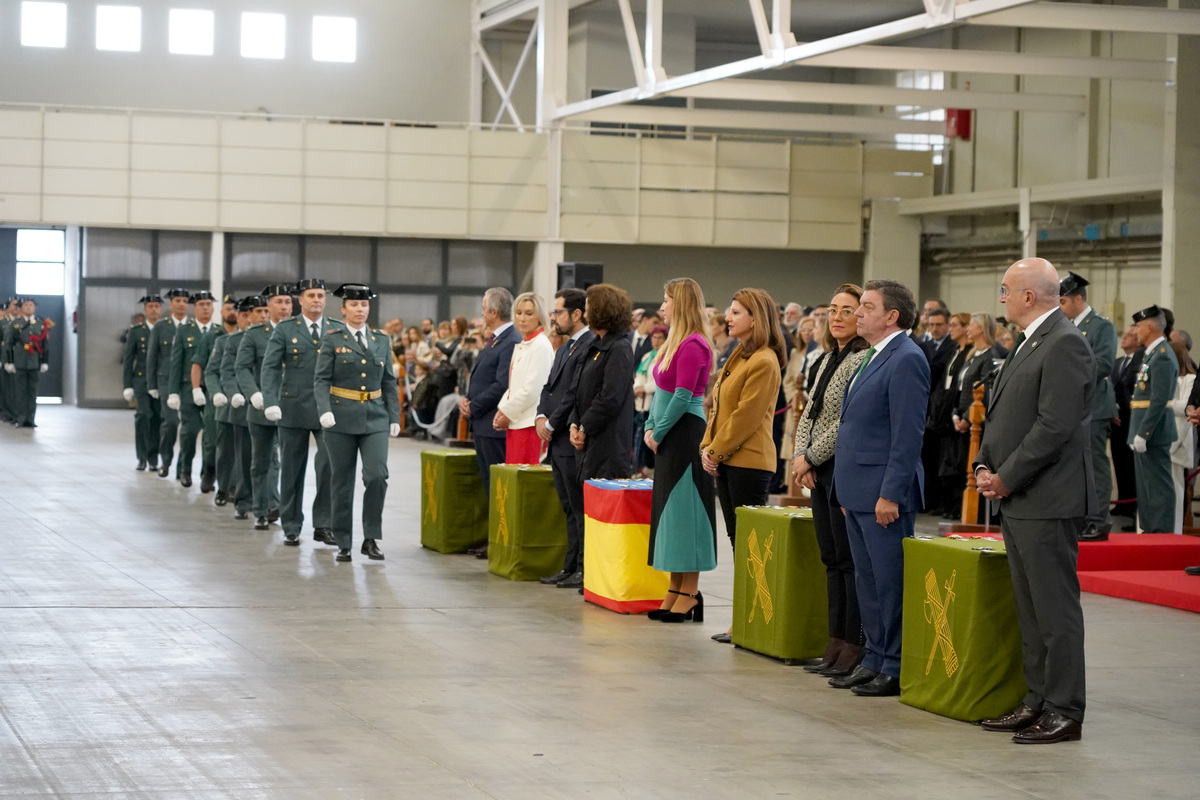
[355, 390]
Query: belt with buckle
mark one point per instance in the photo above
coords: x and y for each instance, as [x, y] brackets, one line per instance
[1139, 404]
[351, 394]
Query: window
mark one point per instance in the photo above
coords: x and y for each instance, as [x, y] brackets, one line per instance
[334, 39]
[44, 24]
[119, 28]
[263, 35]
[40, 257]
[190, 32]
[929, 81]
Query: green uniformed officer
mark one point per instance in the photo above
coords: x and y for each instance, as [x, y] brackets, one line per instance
[1152, 425]
[8, 316]
[287, 385]
[26, 356]
[355, 387]
[208, 441]
[185, 399]
[134, 379]
[220, 402]
[264, 438]
[158, 373]
[252, 310]
[1101, 336]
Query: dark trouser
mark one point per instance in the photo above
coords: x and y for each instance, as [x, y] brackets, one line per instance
[1122, 456]
[931, 460]
[241, 491]
[5, 383]
[168, 429]
[489, 450]
[344, 449]
[191, 419]
[24, 396]
[565, 464]
[740, 486]
[146, 421]
[834, 544]
[264, 467]
[208, 443]
[293, 464]
[226, 454]
[879, 582]
[1102, 474]
[1041, 558]
[1155, 489]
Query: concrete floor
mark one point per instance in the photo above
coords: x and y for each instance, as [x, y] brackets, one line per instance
[152, 647]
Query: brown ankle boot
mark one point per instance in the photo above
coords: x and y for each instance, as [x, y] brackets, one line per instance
[830, 657]
[850, 657]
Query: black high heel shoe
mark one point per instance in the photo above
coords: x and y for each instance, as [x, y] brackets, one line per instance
[693, 614]
[658, 612]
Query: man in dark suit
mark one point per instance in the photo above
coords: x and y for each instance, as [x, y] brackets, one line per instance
[640, 340]
[1124, 374]
[940, 350]
[878, 476]
[1035, 460]
[489, 382]
[554, 411]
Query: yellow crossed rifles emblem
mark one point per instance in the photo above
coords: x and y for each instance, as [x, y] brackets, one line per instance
[502, 506]
[756, 563]
[431, 492]
[936, 608]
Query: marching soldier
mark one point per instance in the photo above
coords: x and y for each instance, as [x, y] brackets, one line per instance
[8, 316]
[1152, 425]
[252, 310]
[264, 438]
[189, 401]
[203, 351]
[222, 428]
[355, 387]
[26, 355]
[146, 419]
[158, 373]
[287, 385]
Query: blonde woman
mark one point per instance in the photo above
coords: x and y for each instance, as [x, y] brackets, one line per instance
[527, 373]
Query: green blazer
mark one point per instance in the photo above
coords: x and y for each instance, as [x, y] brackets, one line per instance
[158, 355]
[133, 358]
[187, 344]
[249, 368]
[21, 348]
[289, 366]
[229, 382]
[203, 353]
[1102, 338]
[1152, 393]
[342, 364]
[212, 372]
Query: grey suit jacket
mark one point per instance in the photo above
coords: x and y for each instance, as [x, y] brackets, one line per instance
[1037, 430]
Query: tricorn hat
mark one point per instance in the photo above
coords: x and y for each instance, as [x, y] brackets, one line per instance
[354, 291]
[1072, 284]
[277, 289]
[1147, 313]
[150, 298]
[309, 283]
[177, 293]
[251, 302]
[203, 294]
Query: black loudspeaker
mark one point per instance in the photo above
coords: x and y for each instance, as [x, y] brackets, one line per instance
[579, 274]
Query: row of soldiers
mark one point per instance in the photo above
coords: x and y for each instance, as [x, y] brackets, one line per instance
[23, 359]
[254, 386]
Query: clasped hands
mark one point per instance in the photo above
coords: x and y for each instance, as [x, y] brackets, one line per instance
[988, 484]
[803, 473]
[578, 437]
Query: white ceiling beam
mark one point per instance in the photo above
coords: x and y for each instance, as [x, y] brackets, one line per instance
[654, 41]
[1091, 192]
[781, 25]
[758, 120]
[761, 27]
[865, 95]
[494, 13]
[1088, 17]
[635, 46]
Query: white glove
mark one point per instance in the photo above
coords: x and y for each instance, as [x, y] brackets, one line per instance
[154, 393]
[198, 397]
[394, 429]
[1139, 444]
[44, 368]
[327, 420]
[273, 413]
[173, 402]
[220, 400]
[256, 400]
[128, 395]
[10, 367]
[237, 401]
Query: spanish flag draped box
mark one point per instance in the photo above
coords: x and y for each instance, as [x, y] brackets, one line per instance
[616, 547]
[454, 506]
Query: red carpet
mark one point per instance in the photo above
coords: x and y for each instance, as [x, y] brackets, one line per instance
[1171, 588]
[1146, 567]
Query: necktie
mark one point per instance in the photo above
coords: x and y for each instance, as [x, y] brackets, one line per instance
[361, 342]
[491, 337]
[1016, 346]
[863, 366]
[315, 330]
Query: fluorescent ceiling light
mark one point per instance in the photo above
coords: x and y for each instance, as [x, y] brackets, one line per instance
[263, 35]
[119, 28]
[334, 39]
[190, 32]
[44, 24]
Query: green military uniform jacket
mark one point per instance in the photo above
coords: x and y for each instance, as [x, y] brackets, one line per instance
[21, 345]
[1153, 391]
[212, 371]
[203, 354]
[187, 344]
[158, 354]
[249, 368]
[289, 366]
[229, 382]
[133, 359]
[1102, 338]
[343, 365]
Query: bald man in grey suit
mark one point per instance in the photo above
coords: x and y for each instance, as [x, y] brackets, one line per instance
[1035, 461]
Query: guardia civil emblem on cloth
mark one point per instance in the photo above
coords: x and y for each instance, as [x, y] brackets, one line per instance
[937, 607]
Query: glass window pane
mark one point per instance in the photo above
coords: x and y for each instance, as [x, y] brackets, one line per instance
[334, 39]
[112, 253]
[410, 261]
[259, 260]
[39, 278]
[337, 260]
[119, 28]
[183, 257]
[410, 308]
[466, 305]
[105, 315]
[191, 32]
[41, 245]
[263, 35]
[483, 264]
[44, 24]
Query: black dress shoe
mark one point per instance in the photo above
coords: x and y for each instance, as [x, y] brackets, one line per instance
[723, 638]
[860, 676]
[551, 580]
[572, 581]
[1129, 528]
[482, 552]
[272, 514]
[1018, 719]
[1192, 570]
[185, 481]
[221, 498]
[477, 549]
[241, 515]
[152, 465]
[141, 467]
[164, 471]
[1092, 533]
[261, 524]
[324, 536]
[370, 549]
[880, 686]
[343, 554]
[291, 541]
[1050, 727]
[206, 484]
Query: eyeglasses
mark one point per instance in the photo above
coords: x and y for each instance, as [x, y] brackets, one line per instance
[842, 312]
[557, 311]
[1004, 291]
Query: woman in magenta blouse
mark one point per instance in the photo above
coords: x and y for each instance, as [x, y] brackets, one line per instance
[683, 538]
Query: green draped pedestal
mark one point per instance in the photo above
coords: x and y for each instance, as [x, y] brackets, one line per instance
[780, 607]
[961, 649]
[527, 530]
[454, 506]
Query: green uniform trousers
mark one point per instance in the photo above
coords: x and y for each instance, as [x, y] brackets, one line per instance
[191, 419]
[241, 491]
[24, 396]
[293, 457]
[1155, 489]
[344, 450]
[224, 457]
[208, 442]
[264, 467]
[147, 418]
[5, 390]
[168, 429]
[1101, 473]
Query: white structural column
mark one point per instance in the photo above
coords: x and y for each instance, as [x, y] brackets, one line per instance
[893, 246]
[1181, 181]
[551, 94]
[216, 267]
[68, 339]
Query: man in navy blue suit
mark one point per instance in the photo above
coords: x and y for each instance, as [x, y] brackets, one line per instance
[878, 477]
[489, 382]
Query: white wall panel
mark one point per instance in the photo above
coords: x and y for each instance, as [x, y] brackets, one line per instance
[678, 152]
[427, 222]
[85, 182]
[159, 213]
[195, 130]
[176, 185]
[748, 233]
[354, 138]
[175, 158]
[86, 210]
[87, 127]
[508, 144]
[257, 188]
[21, 152]
[826, 209]
[344, 219]
[677, 204]
[505, 197]
[754, 155]
[260, 161]
[19, 180]
[416, 167]
[601, 174]
[21, 124]
[824, 236]
[675, 230]
[748, 179]
[598, 228]
[430, 141]
[20, 208]
[260, 216]
[508, 224]
[344, 165]
[346, 191]
[427, 194]
[259, 133]
[585, 147]
[762, 207]
[97, 155]
[615, 202]
[678, 176]
[507, 170]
